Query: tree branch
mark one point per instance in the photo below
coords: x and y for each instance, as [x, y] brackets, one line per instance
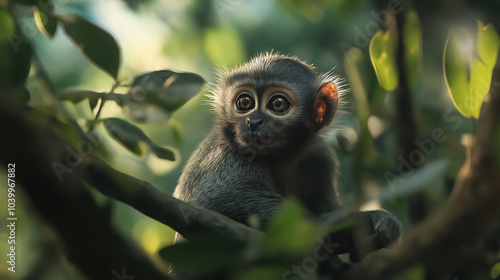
[90, 240]
[181, 216]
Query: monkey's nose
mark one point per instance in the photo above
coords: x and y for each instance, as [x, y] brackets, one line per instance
[254, 123]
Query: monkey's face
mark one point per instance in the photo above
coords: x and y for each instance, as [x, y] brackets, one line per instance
[265, 120]
[274, 104]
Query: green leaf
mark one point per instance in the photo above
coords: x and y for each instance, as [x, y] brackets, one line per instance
[456, 65]
[468, 67]
[382, 55]
[291, 232]
[127, 134]
[98, 45]
[481, 72]
[132, 137]
[154, 95]
[412, 40]
[163, 153]
[45, 19]
[224, 46]
[495, 271]
[15, 52]
[205, 254]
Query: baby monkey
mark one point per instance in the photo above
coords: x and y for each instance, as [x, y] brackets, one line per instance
[265, 147]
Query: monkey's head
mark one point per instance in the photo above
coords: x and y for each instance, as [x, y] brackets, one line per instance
[274, 103]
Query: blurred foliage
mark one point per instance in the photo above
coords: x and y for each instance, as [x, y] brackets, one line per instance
[156, 114]
[495, 271]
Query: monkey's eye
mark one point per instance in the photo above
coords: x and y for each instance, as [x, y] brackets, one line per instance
[245, 102]
[278, 104]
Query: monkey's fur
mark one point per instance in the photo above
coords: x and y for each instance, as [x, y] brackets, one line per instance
[254, 159]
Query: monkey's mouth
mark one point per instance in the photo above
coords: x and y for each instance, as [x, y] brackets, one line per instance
[260, 141]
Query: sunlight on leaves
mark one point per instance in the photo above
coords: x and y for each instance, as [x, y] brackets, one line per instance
[45, 20]
[382, 54]
[468, 67]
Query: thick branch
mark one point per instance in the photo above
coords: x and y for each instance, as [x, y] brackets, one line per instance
[181, 216]
[91, 242]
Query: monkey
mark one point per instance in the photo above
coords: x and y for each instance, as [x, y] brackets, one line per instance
[266, 146]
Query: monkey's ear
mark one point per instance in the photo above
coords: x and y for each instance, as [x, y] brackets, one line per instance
[327, 100]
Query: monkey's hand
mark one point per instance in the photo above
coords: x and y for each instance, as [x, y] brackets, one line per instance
[382, 227]
[371, 231]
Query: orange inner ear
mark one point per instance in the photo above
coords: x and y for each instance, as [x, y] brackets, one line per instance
[320, 108]
[329, 90]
